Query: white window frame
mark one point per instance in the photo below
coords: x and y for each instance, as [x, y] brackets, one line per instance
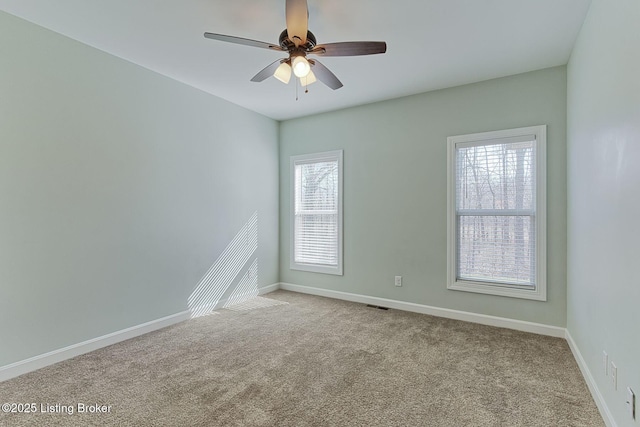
[540, 290]
[336, 155]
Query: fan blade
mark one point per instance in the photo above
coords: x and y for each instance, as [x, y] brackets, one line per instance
[349, 48]
[267, 71]
[297, 21]
[325, 75]
[240, 40]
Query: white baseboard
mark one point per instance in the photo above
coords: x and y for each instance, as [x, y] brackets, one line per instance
[520, 325]
[591, 383]
[268, 289]
[37, 362]
[55, 356]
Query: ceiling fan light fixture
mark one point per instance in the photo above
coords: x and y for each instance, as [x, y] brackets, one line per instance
[283, 73]
[309, 79]
[301, 67]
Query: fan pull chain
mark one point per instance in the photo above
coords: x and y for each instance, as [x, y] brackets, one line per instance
[296, 90]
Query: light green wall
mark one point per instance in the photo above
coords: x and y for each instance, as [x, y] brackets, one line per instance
[603, 104]
[395, 163]
[119, 188]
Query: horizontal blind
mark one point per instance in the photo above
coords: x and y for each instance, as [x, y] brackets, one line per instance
[496, 211]
[316, 213]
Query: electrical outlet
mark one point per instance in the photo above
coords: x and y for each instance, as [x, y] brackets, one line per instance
[605, 363]
[631, 403]
[398, 281]
[614, 375]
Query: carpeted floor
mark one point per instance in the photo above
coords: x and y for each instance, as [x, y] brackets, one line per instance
[314, 362]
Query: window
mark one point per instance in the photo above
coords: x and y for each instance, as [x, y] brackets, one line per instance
[316, 212]
[497, 213]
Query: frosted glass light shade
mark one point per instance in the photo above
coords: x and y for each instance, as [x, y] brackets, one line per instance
[301, 66]
[283, 73]
[310, 78]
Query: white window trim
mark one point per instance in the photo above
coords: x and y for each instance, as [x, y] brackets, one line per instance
[312, 158]
[540, 291]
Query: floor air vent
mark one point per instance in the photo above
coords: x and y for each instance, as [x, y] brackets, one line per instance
[377, 306]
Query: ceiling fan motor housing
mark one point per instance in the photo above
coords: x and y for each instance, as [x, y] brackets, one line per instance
[287, 44]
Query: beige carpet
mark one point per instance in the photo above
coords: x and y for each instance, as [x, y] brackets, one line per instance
[315, 362]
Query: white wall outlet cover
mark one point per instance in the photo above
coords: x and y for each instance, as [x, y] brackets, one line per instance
[398, 281]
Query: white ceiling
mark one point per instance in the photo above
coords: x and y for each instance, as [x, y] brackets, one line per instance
[431, 44]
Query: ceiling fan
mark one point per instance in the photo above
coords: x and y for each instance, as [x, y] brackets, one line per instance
[299, 42]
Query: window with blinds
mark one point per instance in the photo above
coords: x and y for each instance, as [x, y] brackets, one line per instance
[316, 212]
[497, 213]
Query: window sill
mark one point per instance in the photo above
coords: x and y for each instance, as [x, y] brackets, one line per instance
[337, 271]
[499, 290]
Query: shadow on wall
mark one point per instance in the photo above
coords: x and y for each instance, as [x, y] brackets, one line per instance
[233, 277]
